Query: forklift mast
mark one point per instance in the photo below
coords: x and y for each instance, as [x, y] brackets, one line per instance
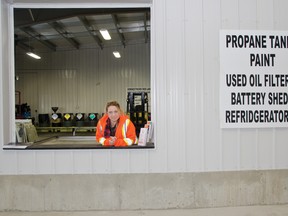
[137, 109]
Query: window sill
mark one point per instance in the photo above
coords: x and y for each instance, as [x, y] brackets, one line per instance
[69, 142]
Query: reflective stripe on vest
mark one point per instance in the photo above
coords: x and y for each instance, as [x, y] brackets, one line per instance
[128, 141]
[102, 140]
[124, 128]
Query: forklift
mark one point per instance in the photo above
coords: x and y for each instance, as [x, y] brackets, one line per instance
[137, 109]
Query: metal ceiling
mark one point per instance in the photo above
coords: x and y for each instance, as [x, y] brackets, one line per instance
[67, 29]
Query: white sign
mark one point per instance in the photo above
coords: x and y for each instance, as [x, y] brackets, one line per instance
[253, 79]
[138, 98]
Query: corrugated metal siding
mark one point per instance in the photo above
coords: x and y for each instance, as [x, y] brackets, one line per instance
[185, 86]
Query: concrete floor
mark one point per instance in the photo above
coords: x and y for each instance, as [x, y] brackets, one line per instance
[269, 210]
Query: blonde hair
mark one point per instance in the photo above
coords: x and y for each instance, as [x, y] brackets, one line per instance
[113, 103]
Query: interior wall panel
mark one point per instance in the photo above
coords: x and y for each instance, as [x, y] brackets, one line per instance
[6, 90]
[120, 161]
[265, 148]
[82, 162]
[281, 148]
[64, 162]
[230, 148]
[26, 163]
[265, 19]
[212, 146]
[44, 162]
[248, 146]
[158, 158]
[139, 162]
[83, 81]
[265, 142]
[280, 135]
[10, 158]
[101, 161]
[194, 96]
[175, 86]
[247, 14]
[279, 14]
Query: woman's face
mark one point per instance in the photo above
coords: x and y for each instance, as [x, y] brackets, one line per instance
[113, 113]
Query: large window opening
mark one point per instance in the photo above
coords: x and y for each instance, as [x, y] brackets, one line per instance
[64, 91]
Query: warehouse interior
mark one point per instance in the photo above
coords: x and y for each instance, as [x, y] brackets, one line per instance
[74, 36]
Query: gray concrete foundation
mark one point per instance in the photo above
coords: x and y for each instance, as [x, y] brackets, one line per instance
[95, 192]
[269, 210]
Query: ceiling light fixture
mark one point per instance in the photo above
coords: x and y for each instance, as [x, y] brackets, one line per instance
[116, 54]
[105, 34]
[33, 55]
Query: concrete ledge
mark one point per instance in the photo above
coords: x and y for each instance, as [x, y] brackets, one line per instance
[269, 210]
[142, 191]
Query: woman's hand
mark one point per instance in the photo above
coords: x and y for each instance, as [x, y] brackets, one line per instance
[112, 140]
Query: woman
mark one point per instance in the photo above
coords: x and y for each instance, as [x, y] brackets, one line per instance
[115, 128]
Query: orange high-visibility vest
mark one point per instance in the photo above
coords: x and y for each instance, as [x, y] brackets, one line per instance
[125, 132]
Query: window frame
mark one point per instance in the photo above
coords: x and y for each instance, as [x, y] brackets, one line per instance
[11, 51]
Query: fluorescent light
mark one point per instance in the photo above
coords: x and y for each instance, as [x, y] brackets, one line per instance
[33, 55]
[116, 54]
[105, 34]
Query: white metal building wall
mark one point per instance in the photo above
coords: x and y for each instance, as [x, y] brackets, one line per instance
[185, 85]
